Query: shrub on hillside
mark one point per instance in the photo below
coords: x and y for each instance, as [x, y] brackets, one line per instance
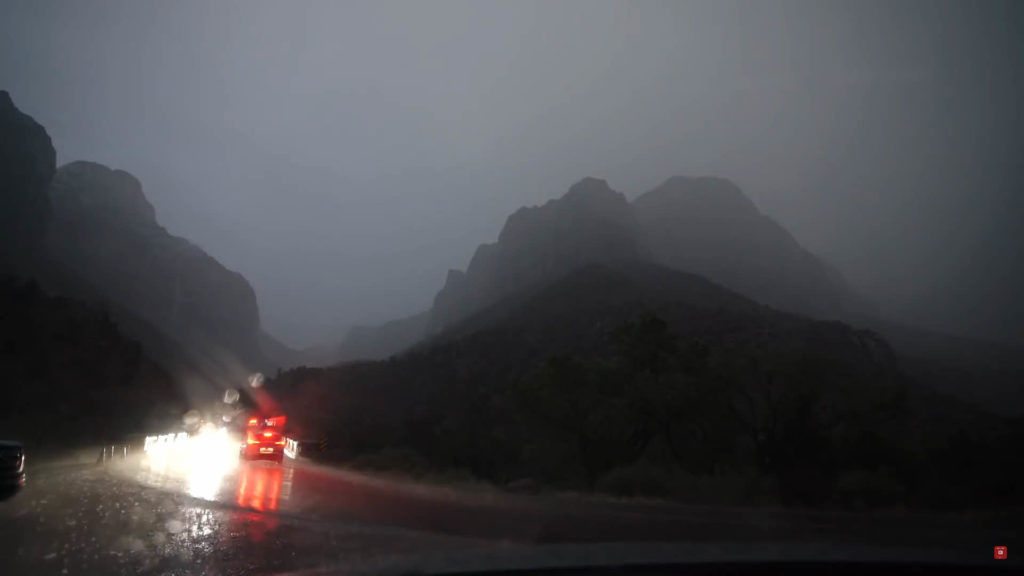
[860, 489]
[637, 479]
[393, 460]
[646, 479]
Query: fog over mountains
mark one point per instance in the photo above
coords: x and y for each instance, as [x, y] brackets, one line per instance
[706, 226]
[882, 137]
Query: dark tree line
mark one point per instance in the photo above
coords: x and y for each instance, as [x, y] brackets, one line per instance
[651, 410]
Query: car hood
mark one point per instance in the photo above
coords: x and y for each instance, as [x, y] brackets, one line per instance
[527, 558]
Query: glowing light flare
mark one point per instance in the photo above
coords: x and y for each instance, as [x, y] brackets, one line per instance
[256, 380]
[164, 442]
[200, 461]
[212, 455]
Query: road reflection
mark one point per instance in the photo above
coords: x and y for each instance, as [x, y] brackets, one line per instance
[253, 526]
[219, 475]
[262, 486]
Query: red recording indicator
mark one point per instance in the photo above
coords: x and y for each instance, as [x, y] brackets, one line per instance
[1000, 553]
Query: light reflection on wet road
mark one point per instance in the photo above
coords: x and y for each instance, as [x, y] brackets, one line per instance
[132, 518]
[233, 517]
[305, 491]
[258, 485]
[261, 488]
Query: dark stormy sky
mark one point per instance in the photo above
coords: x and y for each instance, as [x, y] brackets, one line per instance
[344, 155]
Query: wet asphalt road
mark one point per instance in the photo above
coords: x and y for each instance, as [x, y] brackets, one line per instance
[259, 517]
[125, 518]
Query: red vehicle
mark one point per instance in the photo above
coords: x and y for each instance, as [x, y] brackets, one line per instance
[264, 438]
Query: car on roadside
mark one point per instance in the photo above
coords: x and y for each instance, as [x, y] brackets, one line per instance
[12, 466]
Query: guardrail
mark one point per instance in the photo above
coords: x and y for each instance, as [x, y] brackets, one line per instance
[113, 452]
[291, 448]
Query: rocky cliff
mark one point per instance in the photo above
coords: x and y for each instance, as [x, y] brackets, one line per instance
[27, 163]
[106, 231]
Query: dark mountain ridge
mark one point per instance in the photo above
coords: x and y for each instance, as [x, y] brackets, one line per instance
[591, 223]
[383, 340]
[709, 227]
[27, 163]
[71, 374]
[105, 230]
[705, 226]
[89, 233]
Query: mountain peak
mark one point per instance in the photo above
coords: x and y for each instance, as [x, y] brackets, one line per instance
[593, 195]
[709, 194]
[589, 186]
[102, 192]
[591, 223]
[708, 226]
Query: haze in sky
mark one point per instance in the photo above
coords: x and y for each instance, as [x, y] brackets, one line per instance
[343, 155]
